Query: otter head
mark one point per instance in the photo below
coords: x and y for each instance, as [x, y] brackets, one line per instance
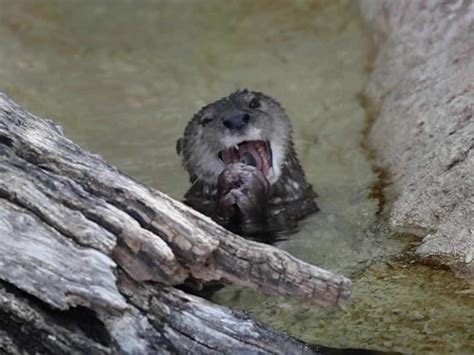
[246, 126]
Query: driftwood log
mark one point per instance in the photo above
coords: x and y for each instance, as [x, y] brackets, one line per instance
[89, 259]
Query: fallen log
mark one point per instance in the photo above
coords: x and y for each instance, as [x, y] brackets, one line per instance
[89, 258]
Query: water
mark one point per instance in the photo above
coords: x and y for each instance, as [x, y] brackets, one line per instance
[124, 77]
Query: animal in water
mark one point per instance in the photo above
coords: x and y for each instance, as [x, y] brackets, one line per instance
[243, 166]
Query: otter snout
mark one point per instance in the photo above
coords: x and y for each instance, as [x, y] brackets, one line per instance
[236, 120]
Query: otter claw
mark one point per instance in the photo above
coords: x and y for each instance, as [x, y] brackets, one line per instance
[242, 190]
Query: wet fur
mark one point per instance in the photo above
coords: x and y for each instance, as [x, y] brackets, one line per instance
[291, 197]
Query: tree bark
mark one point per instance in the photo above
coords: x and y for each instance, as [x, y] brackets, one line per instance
[89, 258]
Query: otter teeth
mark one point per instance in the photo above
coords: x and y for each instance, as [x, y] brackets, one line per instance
[254, 153]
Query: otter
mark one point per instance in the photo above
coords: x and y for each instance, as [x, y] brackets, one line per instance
[243, 167]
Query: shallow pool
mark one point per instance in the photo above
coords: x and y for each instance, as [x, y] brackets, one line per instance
[124, 77]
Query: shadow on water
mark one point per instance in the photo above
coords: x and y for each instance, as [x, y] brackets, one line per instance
[123, 79]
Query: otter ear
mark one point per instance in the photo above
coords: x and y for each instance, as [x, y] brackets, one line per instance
[179, 146]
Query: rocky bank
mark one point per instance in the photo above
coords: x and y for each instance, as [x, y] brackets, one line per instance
[422, 89]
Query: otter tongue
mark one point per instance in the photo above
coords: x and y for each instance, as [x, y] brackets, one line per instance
[249, 155]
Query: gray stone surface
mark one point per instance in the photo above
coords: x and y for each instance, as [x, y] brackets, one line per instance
[423, 88]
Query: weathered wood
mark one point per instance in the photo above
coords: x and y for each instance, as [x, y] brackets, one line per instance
[53, 268]
[80, 239]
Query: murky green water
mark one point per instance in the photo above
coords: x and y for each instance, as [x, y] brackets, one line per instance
[124, 77]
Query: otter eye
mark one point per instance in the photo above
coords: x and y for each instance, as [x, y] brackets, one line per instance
[206, 120]
[254, 103]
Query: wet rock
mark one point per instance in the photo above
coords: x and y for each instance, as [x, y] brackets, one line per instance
[422, 86]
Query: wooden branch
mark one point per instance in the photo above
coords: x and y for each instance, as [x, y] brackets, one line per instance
[75, 232]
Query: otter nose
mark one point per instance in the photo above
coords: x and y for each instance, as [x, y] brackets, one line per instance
[236, 120]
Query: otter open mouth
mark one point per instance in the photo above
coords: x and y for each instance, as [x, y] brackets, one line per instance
[255, 153]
